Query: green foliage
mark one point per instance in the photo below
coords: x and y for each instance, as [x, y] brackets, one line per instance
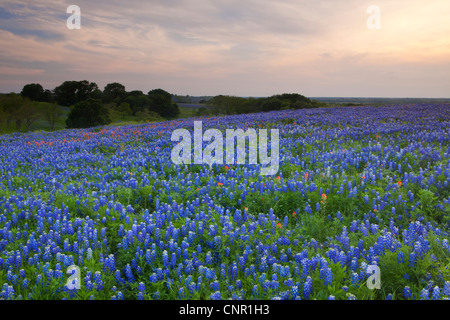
[148, 116]
[113, 92]
[124, 109]
[235, 105]
[161, 103]
[22, 111]
[202, 111]
[271, 104]
[138, 101]
[52, 114]
[428, 203]
[317, 226]
[33, 91]
[72, 92]
[89, 113]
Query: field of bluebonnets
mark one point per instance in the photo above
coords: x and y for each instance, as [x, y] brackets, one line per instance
[356, 187]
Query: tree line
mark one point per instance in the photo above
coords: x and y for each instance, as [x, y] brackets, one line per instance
[89, 106]
[228, 105]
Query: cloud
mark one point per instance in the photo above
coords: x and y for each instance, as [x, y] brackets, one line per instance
[244, 47]
[11, 71]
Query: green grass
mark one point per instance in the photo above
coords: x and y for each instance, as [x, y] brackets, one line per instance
[186, 112]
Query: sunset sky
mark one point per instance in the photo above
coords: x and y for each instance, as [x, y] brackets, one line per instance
[234, 47]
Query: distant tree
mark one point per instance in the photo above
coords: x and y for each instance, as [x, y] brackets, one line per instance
[293, 97]
[294, 101]
[318, 104]
[160, 93]
[33, 91]
[301, 105]
[21, 111]
[202, 111]
[228, 104]
[239, 105]
[253, 105]
[181, 99]
[234, 105]
[29, 113]
[135, 93]
[220, 104]
[272, 104]
[72, 92]
[97, 94]
[161, 103]
[172, 111]
[114, 92]
[138, 102]
[52, 114]
[147, 116]
[2, 117]
[11, 104]
[124, 109]
[47, 96]
[86, 114]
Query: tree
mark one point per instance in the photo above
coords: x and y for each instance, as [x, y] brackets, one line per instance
[138, 102]
[47, 96]
[295, 100]
[33, 91]
[124, 109]
[29, 112]
[86, 114]
[72, 92]
[12, 103]
[228, 104]
[293, 97]
[2, 117]
[159, 100]
[96, 94]
[222, 104]
[161, 103]
[114, 92]
[135, 93]
[52, 114]
[272, 104]
[172, 112]
[202, 111]
[21, 111]
[147, 116]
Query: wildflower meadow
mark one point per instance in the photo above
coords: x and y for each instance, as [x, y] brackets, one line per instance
[104, 214]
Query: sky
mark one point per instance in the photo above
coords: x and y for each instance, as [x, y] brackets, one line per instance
[232, 47]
